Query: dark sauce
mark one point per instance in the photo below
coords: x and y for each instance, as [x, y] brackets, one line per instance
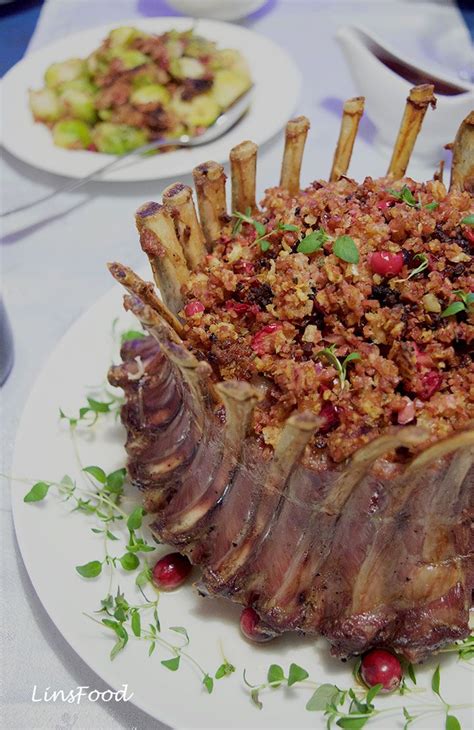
[415, 75]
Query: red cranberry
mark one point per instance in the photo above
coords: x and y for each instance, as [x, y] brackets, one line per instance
[468, 233]
[422, 358]
[430, 383]
[171, 571]
[258, 343]
[381, 667]
[250, 626]
[92, 147]
[386, 263]
[384, 205]
[238, 307]
[330, 417]
[194, 307]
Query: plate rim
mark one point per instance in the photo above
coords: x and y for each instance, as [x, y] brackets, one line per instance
[171, 21]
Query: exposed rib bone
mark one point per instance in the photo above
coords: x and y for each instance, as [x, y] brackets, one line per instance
[239, 399]
[209, 181]
[362, 462]
[295, 139]
[243, 163]
[418, 100]
[195, 373]
[351, 115]
[145, 291]
[179, 198]
[159, 241]
[461, 440]
[462, 168]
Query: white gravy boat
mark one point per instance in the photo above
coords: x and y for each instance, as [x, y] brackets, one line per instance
[384, 78]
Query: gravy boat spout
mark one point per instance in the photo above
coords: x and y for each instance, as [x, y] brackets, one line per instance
[382, 76]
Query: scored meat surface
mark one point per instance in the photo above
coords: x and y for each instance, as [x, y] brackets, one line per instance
[364, 558]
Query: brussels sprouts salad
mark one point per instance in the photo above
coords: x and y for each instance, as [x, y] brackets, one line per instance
[138, 87]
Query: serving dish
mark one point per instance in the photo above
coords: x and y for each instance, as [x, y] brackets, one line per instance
[375, 65]
[136, 88]
[274, 74]
[218, 9]
[175, 376]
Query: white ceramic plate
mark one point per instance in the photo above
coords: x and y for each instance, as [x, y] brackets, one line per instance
[53, 541]
[277, 89]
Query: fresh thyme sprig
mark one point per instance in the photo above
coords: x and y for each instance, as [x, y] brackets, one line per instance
[341, 365]
[353, 708]
[263, 234]
[101, 497]
[406, 195]
[424, 263]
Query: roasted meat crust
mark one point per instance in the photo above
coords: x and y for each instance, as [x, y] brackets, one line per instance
[267, 314]
[364, 556]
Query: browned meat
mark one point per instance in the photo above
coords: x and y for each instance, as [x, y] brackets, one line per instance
[364, 557]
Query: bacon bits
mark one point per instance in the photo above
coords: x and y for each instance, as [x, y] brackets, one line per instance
[330, 417]
[261, 341]
[386, 263]
[430, 383]
[406, 413]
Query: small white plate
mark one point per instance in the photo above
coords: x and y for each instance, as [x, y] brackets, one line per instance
[277, 90]
[53, 540]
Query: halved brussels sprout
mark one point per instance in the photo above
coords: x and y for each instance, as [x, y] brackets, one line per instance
[187, 68]
[174, 48]
[73, 134]
[228, 86]
[144, 77]
[151, 94]
[96, 63]
[201, 111]
[123, 36]
[198, 47]
[81, 84]
[61, 73]
[129, 57]
[45, 105]
[105, 114]
[117, 139]
[229, 58]
[79, 104]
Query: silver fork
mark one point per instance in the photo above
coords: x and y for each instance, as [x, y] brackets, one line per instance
[222, 124]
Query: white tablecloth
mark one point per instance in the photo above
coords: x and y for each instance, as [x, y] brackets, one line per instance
[55, 269]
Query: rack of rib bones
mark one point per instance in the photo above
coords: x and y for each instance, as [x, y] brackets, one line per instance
[305, 548]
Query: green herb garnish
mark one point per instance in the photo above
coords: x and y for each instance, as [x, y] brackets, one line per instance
[425, 262]
[313, 241]
[345, 249]
[464, 304]
[262, 233]
[406, 195]
[468, 220]
[340, 365]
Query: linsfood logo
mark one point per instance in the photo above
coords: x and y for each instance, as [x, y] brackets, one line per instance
[76, 695]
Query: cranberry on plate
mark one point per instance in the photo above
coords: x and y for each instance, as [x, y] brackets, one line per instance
[386, 263]
[380, 666]
[171, 571]
[250, 626]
